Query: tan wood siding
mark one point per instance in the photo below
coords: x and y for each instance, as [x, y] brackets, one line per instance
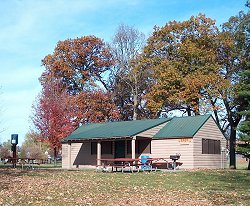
[64, 156]
[189, 148]
[167, 147]
[209, 131]
[151, 132]
[80, 155]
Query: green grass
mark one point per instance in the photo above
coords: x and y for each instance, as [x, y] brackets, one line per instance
[87, 187]
[32, 166]
[242, 164]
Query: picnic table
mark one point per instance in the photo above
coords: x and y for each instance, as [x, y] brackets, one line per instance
[116, 163]
[23, 161]
[132, 164]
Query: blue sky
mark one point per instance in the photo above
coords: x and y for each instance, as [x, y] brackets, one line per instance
[30, 30]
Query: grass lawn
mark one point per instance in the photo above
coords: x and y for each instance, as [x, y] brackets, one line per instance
[87, 187]
[241, 163]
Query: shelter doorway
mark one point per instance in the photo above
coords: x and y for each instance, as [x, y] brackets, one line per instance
[119, 149]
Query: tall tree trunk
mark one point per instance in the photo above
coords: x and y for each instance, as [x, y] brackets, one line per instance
[196, 106]
[232, 144]
[135, 100]
[135, 105]
[215, 111]
[233, 120]
[55, 155]
[189, 111]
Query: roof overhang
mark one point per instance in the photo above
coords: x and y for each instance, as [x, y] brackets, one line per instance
[96, 139]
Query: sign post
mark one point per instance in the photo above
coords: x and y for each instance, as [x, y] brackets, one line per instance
[14, 142]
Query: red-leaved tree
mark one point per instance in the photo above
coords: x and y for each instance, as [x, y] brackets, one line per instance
[53, 115]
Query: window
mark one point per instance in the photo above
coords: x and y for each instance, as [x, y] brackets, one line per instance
[205, 146]
[217, 147]
[141, 146]
[107, 147]
[210, 146]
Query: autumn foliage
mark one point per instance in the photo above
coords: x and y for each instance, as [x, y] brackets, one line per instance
[53, 115]
[189, 65]
[71, 95]
[78, 63]
[183, 56]
[129, 81]
[95, 106]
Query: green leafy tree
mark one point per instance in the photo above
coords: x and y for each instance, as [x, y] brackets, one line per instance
[243, 146]
[233, 56]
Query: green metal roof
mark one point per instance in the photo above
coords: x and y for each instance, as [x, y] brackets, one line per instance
[182, 126]
[114, 129]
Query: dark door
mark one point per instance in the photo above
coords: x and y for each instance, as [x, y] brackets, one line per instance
[119, 149]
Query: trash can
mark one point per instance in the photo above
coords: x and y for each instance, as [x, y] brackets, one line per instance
[144, 161]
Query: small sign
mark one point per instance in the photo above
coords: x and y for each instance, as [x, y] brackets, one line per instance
[185, 140]
[14, 139]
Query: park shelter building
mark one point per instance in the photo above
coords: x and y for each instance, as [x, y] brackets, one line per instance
[197, 139]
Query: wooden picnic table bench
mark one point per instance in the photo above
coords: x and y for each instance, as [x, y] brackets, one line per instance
[116, 163]
[136, 164]
[24, 161]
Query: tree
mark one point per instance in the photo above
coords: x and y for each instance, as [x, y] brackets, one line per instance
[5, 149]
[94, 106]
[196, 65]
[233, 56]
[33, 148]
[183, 57]
[247, 4]
[53, 115]
[78, 63]
[244, 94]
[128, 81]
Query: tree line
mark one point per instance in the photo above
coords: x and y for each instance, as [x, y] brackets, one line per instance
[191, 66]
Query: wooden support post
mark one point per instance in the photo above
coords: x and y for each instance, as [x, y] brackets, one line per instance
[99, 152]
[69, 155]
[14, 161]
[133, 147]
[133, 152]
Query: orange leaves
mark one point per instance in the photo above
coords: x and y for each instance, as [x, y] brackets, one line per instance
[77, 61]
[184, 57]
[69, 97]
[95, 106]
